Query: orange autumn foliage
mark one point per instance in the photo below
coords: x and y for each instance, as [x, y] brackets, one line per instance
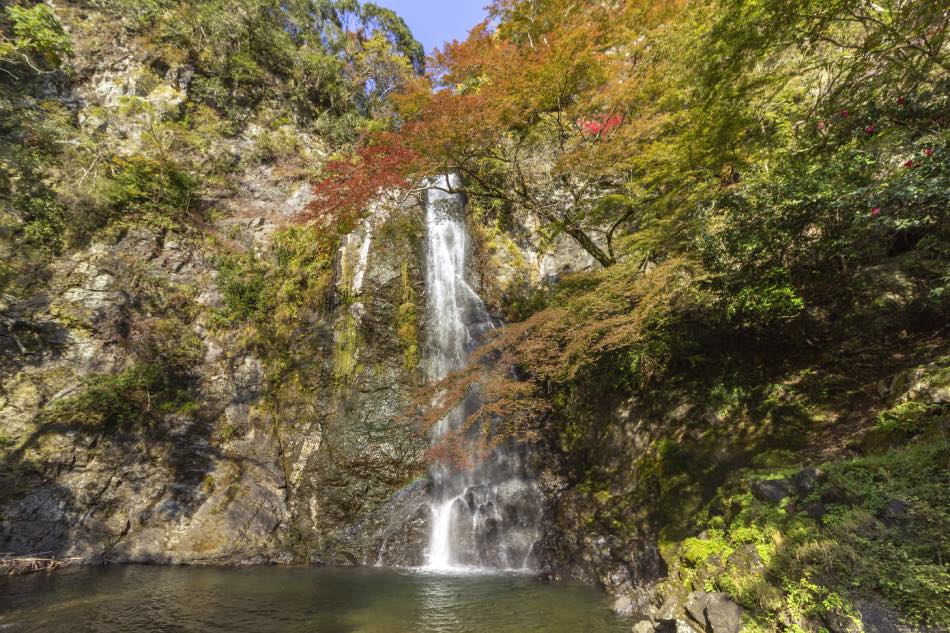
[537, 116]
[383, 162]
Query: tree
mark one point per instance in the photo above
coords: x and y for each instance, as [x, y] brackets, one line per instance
[351, 183]
[530, 115]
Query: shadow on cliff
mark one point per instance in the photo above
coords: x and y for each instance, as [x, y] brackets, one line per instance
[26, 338]
[41, 512]
[650, 461]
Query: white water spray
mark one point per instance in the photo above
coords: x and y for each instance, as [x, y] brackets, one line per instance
[487, 516]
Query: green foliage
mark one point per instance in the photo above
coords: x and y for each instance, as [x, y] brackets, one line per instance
[243, 283]
[134, 398]
[271, 293]
[910, 418]
[140, 185]
[522, 299]
[60, 184]
[407, 323]
[312, 56]
[275, 145]
[774, 201]
[804, 571]
[45, 221]
[765, 303]
[301, 63]
[696, 551]
[346, 342]
[32, 36]
[29, 129]
[167, 342]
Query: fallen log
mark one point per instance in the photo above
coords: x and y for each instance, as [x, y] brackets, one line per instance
[14, 565]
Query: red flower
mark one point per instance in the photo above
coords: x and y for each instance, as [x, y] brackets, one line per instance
[876, 211]
[910, 163]
[869, 129]
[821, 125]
[928, 152]
[844, 114]
[901, 101]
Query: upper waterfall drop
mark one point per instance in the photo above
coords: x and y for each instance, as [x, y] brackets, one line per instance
[487, 516]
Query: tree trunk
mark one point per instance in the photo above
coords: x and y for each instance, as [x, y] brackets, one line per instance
[588, 245]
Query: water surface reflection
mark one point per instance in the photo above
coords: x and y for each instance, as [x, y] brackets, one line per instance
[297, 600]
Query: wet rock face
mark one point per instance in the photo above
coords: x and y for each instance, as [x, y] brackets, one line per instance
[496, 525]
[356, 495]
[395, 532]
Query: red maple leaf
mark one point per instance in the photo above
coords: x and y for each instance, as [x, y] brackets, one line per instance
[600, 127]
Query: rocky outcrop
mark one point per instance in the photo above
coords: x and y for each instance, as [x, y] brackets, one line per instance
[215, 466]
[176, 492]
[221, 480]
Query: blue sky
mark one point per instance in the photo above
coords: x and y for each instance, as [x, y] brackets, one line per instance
[436, 21]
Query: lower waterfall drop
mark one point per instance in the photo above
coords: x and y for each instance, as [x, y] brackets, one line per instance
[487, 516]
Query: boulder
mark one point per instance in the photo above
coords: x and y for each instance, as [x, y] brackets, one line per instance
[722, 614]
[815, 509]
[714, 612]
[771, 490]
[892, 513]
[835, 495]
[696, 607]
[806, 481]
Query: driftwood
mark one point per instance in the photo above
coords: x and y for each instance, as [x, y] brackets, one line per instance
[11, 565]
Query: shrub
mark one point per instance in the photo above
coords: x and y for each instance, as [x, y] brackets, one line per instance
[38, 37]
[133, 398]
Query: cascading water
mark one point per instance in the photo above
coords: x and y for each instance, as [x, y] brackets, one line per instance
[487, 516]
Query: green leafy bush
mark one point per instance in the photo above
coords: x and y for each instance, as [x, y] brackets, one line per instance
[32, 35]
[134, 398]
[271, 292]
[139, 184]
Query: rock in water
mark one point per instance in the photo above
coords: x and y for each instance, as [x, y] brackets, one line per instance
[643, 626]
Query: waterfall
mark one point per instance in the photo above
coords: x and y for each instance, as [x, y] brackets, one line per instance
[486, 516]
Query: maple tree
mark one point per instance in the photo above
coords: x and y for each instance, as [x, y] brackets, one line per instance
[530, 116]
[352, 182]
[737, 156]
[666, 136]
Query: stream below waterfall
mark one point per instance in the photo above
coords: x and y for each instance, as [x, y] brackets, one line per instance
[124, 599]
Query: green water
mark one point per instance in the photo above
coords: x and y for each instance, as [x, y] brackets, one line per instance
[127, 599]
